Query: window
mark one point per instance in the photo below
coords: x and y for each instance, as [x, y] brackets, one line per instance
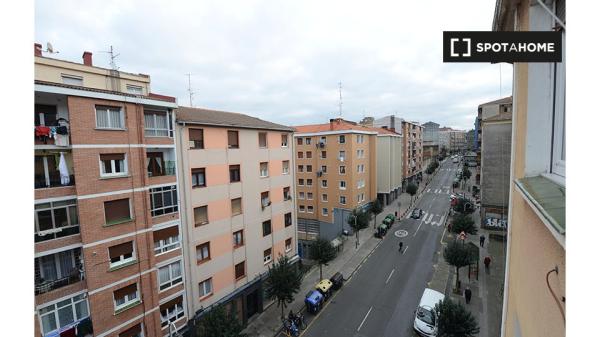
[166, 240]
[236, 206]
[233, 140]
[287, 219]
[342, 169]
[301, 182]
[309, 196]
[300, 195]
[203, 252]
[134, 331]
[266, 227]
[121, 254]
[163, 200]
[286, 193]
[267, 256]
[323, 140]
[126, 296]
[309, 209]
[342, 185]
[238, 239]
[360, 168]
[63, 313]
[112, 165]
[342, 155]
[205, 287]
[300, 154]
[325, 211]
[109, 118]
[198, 177]
[171, 311]
[234, 173]
[558, 152]
[324, 197]
[308, 182]
[57, 269]
[264, 170]
[324, 169]
[240, 270]
[56, 219]
[288, 245]
[72, 79]
[360, 183]
[301, 208]
[157, 124]
[300, 168]
[323, 154]
[45, 114]
[342, 200]
[299, 141]
[169, 275]
[155, 165]
[308, 168]
[284, 140]
[324, 183]
[196, 138]
[285, 167]
[308, 154]
[342, 139]
[116, 211]
[360, 139]
[264, 199]
[262, 140]
[135, 89]
[307, 141]
[200, 216]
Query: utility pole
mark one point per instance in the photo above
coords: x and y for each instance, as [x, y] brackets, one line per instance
[191, 93]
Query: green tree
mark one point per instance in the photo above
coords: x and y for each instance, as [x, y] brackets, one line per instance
[454, 320]
[458, 255]
[466, 174]
[358, 219]
[322, 251]
[376, 208]
[217, 322]
[283, 282]
[411, 189]
[463, 223]
[464, 206]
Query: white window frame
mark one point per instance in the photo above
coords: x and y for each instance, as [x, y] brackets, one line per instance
[234, 237]
[112, 167]
[173, 280]
[204, 258]
[323, 140]
[325, 211]
[122, 259]
[301, 195]
[154, 129]
[342, 156]
[285, 169]
[264, 173]
[342, 139]
[72, 79]
[300, 168]
[173, 316]
[342, 167]
[558, 165]
[311, 181]
[110, 109]
[342, 182]
[128, 300]
[324, 183]
[54, 311]
[300, 182]
[203, 284]
[307, 140]
[342, 200]
[301, 208]
[309, 196]
[284, 140]
[310, 209]
[326, 199]
[268, 258]
[166, 245]
[135, 89]
[289, 248]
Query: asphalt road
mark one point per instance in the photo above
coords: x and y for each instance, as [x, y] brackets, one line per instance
[380, 298]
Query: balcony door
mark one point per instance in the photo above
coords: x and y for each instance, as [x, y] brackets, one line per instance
[46, 171]
[156, 164]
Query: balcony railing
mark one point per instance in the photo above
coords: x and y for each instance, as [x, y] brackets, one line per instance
[167, 170]
[53, 180]
[44, 286]
[56, 233]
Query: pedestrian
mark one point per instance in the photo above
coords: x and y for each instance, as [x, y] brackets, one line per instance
[487, 262]
[468, 294]
[481, 240]
[400, 247]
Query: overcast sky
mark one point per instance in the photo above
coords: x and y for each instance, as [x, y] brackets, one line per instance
[282, 60]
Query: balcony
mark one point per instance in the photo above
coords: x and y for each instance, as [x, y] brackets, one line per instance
[160, 162]
[53, 180]
[58, 270]
[55, 220]
[51, 120]
[48, 169]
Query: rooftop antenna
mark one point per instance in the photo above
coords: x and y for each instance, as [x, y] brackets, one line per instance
[113, 57]
[50, 49]
[190, 89]
[340, 87]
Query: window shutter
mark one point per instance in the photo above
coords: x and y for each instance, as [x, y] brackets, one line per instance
[196, 134]
[112, 156]
[117, 210]
[166, 233]
[132, 332]
[120, 249]
[130, 289]
[172, 303]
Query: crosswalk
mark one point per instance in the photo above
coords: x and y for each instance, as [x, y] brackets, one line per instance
[431, 219]
[444, 190]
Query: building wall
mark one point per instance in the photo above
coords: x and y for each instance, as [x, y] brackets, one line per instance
[495, 163]
[413, 160]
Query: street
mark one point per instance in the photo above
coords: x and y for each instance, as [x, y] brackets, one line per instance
[380, 298]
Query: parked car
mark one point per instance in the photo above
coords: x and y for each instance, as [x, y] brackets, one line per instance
[416, 213]
[426, 318]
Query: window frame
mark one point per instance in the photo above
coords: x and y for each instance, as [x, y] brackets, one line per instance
[263, 173]
[195, 147]
[237, 137]
[241, 207]
[172, 316]
[68, 205]
[285, 169]
[117, 221]
[266, 145]
[310, 209]
[197, 172]
[241, 243]
[202, 284]
[342, 139]
[173, 207]
[72, 79]
[133, 89]
[343, 200]
[155, 128]
[166, 245]
[172, 281]
[285, 222]
[128, 302]
[198, 224]
[267, 258]
[122, 261]
[325, 211]
[324, 183]
[307, 140]
[235, 270]
[266, 231]
[262, 199]
[54, 311]
[113, 174]
[232, 168]
[287, 250]
[342, 169]
[204, 258]
[557, 164]
[108, 111]
[344, 183]
[284, 140]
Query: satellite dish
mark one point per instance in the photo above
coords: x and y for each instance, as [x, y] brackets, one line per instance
[49, 47]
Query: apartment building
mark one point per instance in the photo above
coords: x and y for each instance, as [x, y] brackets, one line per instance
[389, 165]
[431, 142]
[534, 289]
[237, 183]
[107, 248]
[336, 171]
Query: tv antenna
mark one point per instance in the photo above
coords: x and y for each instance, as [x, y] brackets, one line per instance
[340, 87]
[50, 49]
[191, 93]
[113, 57]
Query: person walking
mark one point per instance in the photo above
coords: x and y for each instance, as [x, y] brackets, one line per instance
[487, 262]
[481, 240]
[468, 294]
[400, 247]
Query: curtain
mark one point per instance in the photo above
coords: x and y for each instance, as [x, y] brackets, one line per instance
[102, 118]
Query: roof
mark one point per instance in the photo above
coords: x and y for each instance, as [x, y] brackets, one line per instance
[504, 100]
[339, 124]
[224, 118]
[152, 96]
[503, 116]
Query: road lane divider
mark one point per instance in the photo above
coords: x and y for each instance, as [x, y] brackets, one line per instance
[364, 319]
[388, 279]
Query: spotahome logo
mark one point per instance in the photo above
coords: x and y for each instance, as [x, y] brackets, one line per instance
[502, 47]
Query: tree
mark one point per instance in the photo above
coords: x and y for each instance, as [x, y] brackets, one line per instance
[466, 174]
[454, 320]
[463, 223]
[358, 219]
[217, 322]
[411, 189]
[322, 251]
[457, 255]
[283, 282]
[464, 206]
[376, 208]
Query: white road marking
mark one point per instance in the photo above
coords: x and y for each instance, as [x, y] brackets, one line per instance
[364, 319]
[388, 279]
[405, 249]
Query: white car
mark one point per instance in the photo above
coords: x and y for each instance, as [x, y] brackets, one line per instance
[426, 319]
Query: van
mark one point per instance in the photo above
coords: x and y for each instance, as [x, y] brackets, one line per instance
[426, 319]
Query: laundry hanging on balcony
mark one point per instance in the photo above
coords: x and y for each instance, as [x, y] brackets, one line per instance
[64, 170]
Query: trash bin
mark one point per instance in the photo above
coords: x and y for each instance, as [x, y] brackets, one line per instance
[313, 301]
[337, 280]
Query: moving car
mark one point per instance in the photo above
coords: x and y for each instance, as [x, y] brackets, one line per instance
[455, 160]
[416, 213]
[426, 318]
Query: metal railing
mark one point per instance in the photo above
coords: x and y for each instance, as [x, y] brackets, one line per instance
[167, 170]
[56, 233]
[53, 180]
[44, 286]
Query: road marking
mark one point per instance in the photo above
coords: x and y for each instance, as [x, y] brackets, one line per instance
[388, 279]
[364, 319]
[405, 249]
[401, 233]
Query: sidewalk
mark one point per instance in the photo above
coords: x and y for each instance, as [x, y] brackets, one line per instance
[268, 323]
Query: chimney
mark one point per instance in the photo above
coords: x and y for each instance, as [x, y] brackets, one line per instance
[37, 49]
[87, 58]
